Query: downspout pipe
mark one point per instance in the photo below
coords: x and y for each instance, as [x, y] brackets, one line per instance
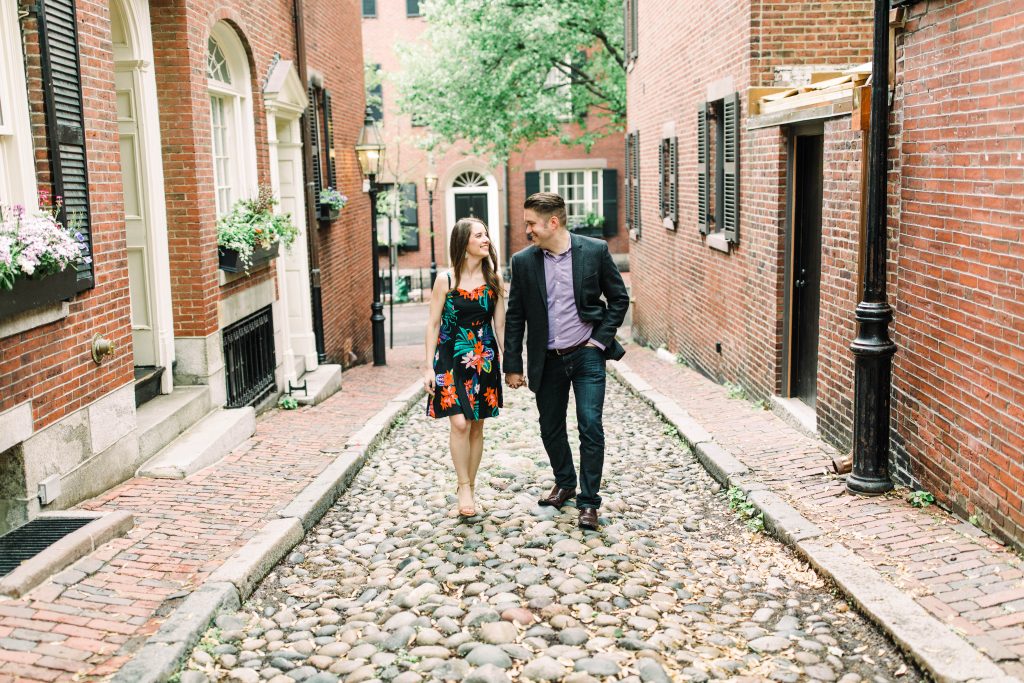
[872, 349]
[312, 240]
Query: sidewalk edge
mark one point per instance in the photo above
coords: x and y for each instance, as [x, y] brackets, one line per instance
[908, 624]
[229, 586]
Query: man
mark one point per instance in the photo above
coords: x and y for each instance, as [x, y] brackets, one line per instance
[555, 294]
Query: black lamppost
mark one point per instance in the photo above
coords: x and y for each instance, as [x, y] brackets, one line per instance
[430, 181]
[872, 349]
[370, 152]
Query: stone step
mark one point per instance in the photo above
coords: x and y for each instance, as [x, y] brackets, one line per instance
[160, 420]
[205, 443]
[321, 384]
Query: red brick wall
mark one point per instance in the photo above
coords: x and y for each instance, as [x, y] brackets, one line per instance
[958, 387]
[52, 365]
[812, 33]
[334, 48]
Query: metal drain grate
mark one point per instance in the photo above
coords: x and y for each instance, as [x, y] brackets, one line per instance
[30, 539]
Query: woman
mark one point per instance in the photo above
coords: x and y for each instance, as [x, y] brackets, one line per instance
[464, 339]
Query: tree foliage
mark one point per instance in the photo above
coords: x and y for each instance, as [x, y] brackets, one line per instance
[499, 73]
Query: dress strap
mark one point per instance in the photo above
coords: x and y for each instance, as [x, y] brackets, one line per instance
[448, 273]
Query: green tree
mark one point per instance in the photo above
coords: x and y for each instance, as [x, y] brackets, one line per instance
[498, 73]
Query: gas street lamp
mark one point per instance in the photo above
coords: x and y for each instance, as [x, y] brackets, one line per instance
[370, 152]
[430, 181]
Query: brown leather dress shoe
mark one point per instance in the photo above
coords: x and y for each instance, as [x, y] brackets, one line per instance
[557, 497]
[588, 518]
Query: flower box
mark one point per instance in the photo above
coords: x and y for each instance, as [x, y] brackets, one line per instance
[231, 262]
[327, 213]
[33, 292]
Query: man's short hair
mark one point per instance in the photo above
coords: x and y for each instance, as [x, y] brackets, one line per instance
[547, 204]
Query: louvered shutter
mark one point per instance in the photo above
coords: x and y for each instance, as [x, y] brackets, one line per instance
[731, 167]
[410, 217]
[314, 144]
[65, 122]
[610, 203]
[635, 189]
[673, 181]
[627, 184]
[532, 182]
[702, 168]
[328, 147]
[633, 19]
[662, 173]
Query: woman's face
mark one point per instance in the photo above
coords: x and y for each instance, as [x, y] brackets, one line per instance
[479, 243]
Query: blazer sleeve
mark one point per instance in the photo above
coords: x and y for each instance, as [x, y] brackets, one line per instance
[615, 293]
[515, 318]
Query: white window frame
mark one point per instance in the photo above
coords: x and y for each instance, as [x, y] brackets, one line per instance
[593, 190]
[17, 168]
[236, 178]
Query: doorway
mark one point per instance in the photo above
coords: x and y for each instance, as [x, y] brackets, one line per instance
[474, 193]
[471, 205]
[803, 292]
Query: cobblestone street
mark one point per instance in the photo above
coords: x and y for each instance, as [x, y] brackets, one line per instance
[391, 585]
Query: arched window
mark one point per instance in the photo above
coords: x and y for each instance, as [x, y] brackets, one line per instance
[470, 179]
[232, 139]
[17, 173]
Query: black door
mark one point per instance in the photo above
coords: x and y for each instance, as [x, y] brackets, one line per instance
[806, 277]
[475, 205]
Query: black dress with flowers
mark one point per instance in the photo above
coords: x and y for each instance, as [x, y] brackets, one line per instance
[467, 370]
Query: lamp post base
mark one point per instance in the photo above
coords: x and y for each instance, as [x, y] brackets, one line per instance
[872, 382]
[377, 323]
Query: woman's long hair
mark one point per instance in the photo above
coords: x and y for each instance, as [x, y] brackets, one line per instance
[457, 253]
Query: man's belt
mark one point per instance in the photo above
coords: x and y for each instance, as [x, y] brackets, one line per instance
[567, 351]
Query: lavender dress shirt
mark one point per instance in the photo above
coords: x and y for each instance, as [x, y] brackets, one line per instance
[565, 328]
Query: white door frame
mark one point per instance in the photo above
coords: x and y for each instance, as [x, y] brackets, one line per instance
[285, 101]
[493, 215]
[136, 56]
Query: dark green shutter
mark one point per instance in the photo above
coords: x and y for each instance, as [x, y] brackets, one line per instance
[377, 92]
[328, 149]
[577, 93]
[410, 217]
[731, 166]
[627, 177]
[635, 189]
[702, 167]
[314, 145]
[412, 8]
[633, 10]
[610, 205]
[532, 182]
[65, 122]
[369, 8]
[673, 181]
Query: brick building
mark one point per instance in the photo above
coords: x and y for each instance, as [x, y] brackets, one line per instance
[468, 184]
[745, 192]
[163, 115]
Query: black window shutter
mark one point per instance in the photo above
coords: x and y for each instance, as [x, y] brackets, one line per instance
[610, 207]
[532, 182]
[328, 148]
[65, 122]
[412, 8]
[673, 181]
[377, 91]
[576, 95]
[702, 167]
[314, 144]
[410, 217]
[632, 28]
[635, 202]
[627, 187]
[662, 171]
[369, 8]
[731, 165]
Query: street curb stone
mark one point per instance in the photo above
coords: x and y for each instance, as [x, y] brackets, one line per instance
[936, 648]
[228, 586]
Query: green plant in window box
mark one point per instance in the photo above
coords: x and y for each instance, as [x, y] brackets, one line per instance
[331, 203]
[591, 224]
[251, 226]
[34, 245]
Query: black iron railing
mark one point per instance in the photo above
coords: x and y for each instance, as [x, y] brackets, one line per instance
[249, 358]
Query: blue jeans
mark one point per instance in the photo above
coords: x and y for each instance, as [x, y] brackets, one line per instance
[584, 370]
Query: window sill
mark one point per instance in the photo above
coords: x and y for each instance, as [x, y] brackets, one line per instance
[36, 317]
[716, 240]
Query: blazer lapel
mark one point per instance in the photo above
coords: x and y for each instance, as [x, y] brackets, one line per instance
[542, 279]
[577, 268]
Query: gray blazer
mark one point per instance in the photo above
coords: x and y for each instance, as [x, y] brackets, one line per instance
[593, 275]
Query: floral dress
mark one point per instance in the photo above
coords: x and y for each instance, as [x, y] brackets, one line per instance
[466, 365]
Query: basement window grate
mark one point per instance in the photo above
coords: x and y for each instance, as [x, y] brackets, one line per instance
[30, 539]
[249, 359]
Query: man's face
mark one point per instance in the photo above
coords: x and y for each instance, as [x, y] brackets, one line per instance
[539, 229]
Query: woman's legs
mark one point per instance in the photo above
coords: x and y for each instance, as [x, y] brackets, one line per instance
[460, 444]
[476, 448]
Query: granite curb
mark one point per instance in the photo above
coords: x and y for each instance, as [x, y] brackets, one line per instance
[234, 581]
[930, 643]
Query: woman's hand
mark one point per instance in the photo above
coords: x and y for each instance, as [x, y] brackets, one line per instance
[428, 382]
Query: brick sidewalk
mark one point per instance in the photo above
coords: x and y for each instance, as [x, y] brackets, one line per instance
[87, 621]
[960, 575]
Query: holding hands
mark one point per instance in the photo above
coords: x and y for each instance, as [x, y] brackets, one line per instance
[514, 379]
[429, 381]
